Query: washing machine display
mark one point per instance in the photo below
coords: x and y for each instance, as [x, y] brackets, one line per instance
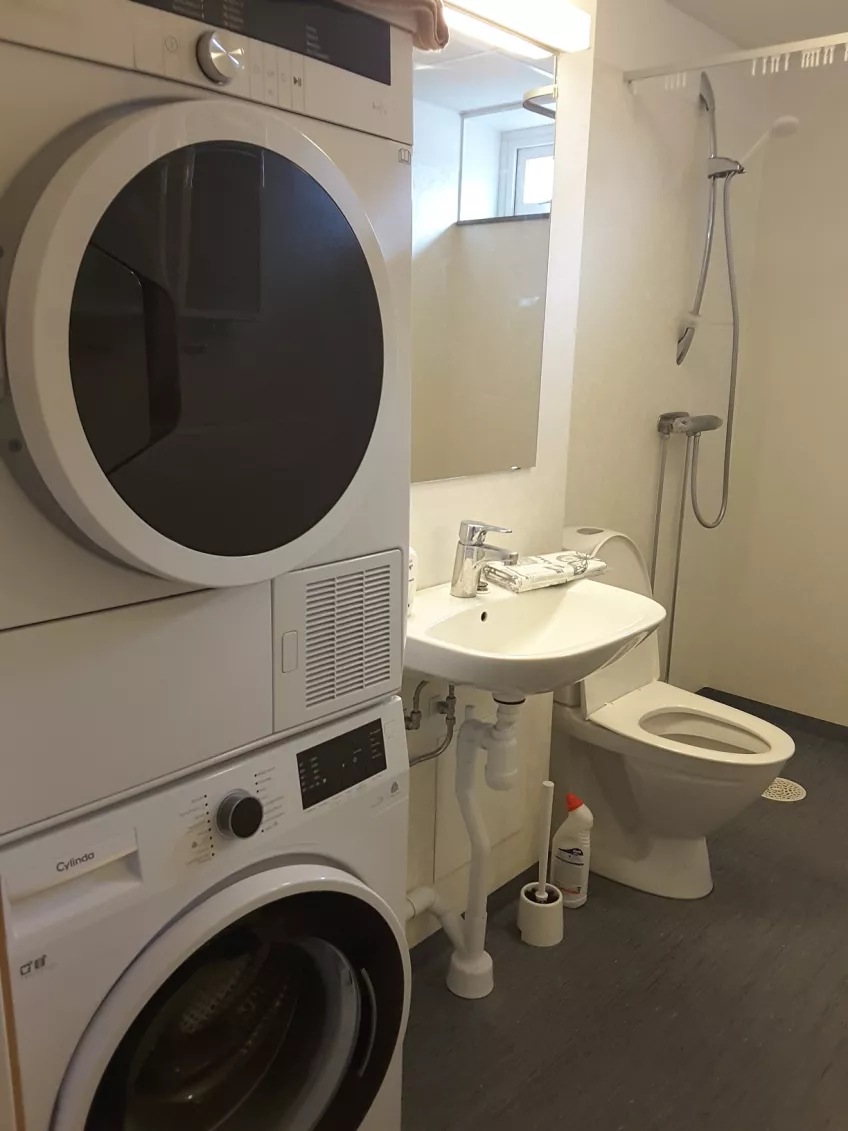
[334, 766]
[288, 1018]
[209, 412]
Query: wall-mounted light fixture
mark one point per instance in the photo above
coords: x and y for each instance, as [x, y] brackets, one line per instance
[556, 25]
[493, 35]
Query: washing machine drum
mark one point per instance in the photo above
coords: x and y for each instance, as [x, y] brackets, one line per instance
[198, 338]
[285, 1021]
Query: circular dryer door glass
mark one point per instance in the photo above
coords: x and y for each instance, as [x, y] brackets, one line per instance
[285, 1021]
[226, 348]
[201, 344]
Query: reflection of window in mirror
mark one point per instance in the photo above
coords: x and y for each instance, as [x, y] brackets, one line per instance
[483, 179]
[527, 171]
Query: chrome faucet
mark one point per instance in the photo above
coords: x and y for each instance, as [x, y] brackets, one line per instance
[473, 555]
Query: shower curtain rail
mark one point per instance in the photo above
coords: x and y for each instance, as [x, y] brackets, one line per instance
[807, 48]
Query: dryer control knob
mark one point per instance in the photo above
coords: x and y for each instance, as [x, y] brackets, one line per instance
[240, 815]
[221, 56]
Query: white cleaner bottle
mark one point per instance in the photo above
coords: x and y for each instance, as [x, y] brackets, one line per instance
[570, 851]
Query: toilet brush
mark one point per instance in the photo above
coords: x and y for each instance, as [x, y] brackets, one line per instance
[540, 903]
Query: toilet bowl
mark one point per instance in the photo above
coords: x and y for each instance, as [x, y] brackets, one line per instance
[661, 768]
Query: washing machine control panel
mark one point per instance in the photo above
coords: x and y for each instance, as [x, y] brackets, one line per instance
[336, 765]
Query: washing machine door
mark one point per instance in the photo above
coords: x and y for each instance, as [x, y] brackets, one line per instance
[277, 1004]
[199, 334]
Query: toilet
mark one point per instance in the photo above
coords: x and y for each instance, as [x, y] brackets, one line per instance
[661, 768]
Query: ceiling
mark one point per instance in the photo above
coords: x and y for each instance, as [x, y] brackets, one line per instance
[468, 76]
[760, 23]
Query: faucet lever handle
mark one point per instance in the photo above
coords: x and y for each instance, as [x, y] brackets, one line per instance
[472, 533]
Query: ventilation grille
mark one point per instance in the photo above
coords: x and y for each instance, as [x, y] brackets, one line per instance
[348, 634]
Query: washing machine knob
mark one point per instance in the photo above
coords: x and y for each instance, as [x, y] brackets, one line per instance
[221, 56]
[240, 815]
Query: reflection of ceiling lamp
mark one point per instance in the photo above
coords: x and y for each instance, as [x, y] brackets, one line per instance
[558, 25]
[482, 31]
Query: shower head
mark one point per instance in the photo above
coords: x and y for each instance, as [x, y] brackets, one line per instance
[780, 127]
[783, 127]
[707, 93]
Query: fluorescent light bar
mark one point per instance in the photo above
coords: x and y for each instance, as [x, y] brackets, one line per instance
[478, 29]
[557, 23]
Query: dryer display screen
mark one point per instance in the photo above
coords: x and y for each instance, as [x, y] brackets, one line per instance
[330, 32]
[342, 762]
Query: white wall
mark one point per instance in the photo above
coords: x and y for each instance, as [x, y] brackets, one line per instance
[782, 605]
[645, 220]
[532, 503]
[481, 169]
[762, 609]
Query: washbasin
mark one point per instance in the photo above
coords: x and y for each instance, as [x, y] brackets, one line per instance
[527, 643]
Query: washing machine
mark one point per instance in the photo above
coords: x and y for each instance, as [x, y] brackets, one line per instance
[204, 410]
[225, 952]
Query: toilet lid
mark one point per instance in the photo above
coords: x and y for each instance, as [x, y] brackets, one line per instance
[671, 719]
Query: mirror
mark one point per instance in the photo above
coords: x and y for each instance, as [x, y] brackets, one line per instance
[482, 177]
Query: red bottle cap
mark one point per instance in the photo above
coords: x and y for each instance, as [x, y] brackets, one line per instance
[573, 802]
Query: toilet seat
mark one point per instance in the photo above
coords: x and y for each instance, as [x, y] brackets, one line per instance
[660, 717]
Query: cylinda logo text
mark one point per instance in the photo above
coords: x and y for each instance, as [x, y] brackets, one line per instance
[74, 862]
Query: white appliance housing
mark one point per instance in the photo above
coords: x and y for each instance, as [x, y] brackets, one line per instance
[100, 913]
[257, 439]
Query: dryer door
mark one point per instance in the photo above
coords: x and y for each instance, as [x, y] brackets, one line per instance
[199, 334]
[277, 1004]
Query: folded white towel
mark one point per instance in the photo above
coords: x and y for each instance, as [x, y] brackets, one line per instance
[545, 569]
[426, 17]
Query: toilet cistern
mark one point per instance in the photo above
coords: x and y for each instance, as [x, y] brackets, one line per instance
[473, 555]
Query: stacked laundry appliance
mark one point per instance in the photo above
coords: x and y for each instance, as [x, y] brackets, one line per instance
[204, 492]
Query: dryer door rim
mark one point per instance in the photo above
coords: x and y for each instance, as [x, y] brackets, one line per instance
[181, 939]
[38, 309]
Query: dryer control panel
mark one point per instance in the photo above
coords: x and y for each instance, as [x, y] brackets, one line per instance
[312, 57]
[330, 32]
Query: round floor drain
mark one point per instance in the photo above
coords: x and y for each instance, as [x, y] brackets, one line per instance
[782, 789]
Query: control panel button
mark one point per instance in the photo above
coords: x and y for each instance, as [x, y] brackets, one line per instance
[239, 815]
[221, 56]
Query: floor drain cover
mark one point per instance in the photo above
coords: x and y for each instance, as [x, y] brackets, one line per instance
[782, 789]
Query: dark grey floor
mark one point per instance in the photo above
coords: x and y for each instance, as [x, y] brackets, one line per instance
[726, 1014]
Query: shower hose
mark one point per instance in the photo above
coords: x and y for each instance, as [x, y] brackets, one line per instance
[695, 440]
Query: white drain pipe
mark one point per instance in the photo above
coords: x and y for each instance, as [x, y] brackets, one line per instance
[470, 974]
[424, 900]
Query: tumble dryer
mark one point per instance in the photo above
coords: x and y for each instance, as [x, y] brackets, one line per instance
[204, 280]
[223, 953]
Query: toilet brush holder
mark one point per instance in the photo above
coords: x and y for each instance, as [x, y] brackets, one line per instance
[540, 924]
[540, 903]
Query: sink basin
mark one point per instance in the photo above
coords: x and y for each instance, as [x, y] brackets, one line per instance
[526, 643]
